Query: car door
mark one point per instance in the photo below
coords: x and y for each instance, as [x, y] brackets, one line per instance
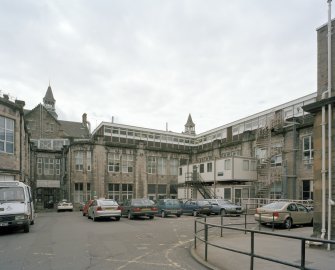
[188, 207]
[293, 210]
[303, 214]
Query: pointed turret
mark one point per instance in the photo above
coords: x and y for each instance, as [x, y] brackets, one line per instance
[189, 126]
[49, 102]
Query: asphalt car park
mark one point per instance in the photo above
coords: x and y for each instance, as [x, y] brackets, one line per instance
[67, 240]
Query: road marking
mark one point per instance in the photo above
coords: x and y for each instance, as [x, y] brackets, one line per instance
[167, 253]
[43, 254]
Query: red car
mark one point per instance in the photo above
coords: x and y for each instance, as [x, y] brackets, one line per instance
[87, 205]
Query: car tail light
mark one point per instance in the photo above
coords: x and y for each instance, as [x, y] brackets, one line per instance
[275, 214]
[136, 209]
[99, 208]
[154, 209]
[119, 208]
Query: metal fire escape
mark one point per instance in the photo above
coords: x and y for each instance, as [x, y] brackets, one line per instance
[194, 180]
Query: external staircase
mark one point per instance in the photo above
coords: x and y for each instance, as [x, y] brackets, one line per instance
[194, 179]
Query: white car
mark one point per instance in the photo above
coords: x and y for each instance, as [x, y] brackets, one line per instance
[104, 208]
[64, 205]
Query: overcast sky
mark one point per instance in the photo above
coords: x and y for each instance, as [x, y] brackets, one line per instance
[152, 62]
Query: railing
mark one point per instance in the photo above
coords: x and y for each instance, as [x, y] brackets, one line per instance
[252, 254]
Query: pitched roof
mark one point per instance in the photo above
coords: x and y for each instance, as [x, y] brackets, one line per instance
[189, 122]
[49, 96]
[74, 129]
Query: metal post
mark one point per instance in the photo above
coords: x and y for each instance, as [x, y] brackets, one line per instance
[245, 223]
[221, 226]
[303, 255]
[195, 234]
[206, 239]
[252, 251]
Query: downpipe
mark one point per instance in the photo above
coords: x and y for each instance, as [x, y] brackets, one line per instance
[323, 173]
[329, 128]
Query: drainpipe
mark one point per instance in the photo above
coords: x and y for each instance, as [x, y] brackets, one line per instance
[323, 170]
[329, 123]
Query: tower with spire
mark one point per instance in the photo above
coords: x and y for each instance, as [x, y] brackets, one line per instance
[189, 126]
[49, 102]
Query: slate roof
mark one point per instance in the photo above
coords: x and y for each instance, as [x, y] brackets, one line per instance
[189, 122]
[74, 129]
[49, 96]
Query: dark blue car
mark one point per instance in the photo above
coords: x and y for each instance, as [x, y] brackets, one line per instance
[196, 207]
[169, 207]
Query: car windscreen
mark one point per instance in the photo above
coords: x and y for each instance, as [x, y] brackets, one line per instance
[140, 202]
[13, 194]
[274, 205]
[224, 202]
[172, 203]
[108, 202]
[203, 203]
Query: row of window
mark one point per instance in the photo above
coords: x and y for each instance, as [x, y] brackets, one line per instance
[247, 165]
[48, 166]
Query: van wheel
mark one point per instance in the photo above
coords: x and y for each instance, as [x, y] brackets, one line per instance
[26, 228]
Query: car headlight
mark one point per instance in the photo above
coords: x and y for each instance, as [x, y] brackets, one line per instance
[21, 217]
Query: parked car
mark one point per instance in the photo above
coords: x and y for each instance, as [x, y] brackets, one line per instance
[196, 207]
[139, 207]
[225, 207]
[64, 205]
[284, 213]
[169, 207]
[86, 206]
[104, 208]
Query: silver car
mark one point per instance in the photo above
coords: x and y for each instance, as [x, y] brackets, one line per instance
[104, 208]
[285, 213]
[225, 207]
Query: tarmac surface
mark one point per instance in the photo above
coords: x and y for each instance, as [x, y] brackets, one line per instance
[283, 249]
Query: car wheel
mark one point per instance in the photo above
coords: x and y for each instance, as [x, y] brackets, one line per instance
[117, 218]
[163, 214]
[130, 216]
[178, 215]
[195, 213]
[26, 228]
[223, 212]
[288, 223]
[151, 217]
[94, 218]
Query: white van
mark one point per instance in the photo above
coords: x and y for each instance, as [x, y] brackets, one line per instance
[16, 205]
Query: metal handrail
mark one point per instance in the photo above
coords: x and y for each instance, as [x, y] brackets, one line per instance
[252, 253]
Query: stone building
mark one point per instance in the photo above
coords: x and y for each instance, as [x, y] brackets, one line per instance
[266, 155]
[269, 154]
[14, 141]
[49, 137]
[324, 133]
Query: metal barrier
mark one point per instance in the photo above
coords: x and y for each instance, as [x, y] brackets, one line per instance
[252, 254]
